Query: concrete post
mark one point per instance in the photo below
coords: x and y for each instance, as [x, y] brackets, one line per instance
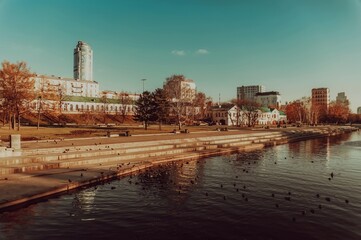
[15, 141]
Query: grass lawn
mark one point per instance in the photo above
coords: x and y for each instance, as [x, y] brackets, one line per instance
[32, 133]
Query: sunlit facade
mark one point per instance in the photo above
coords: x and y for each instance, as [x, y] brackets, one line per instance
[321, 97]
[268, 99]
[83, 62]
[66, 86]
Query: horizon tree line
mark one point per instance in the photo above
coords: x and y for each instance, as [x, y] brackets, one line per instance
[169, 104]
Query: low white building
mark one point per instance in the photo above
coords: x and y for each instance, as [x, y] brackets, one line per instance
[120, 95]
[81, 96]
[76, 107]
[225, 114]
[269, 116]
[231, 115]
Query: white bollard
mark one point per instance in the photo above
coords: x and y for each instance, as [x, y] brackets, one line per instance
[15, 141]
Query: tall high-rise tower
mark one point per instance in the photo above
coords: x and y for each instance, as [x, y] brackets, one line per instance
[83, 62]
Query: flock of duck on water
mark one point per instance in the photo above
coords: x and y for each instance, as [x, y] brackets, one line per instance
[161, 173]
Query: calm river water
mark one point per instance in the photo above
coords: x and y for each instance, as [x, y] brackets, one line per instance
[284, 192]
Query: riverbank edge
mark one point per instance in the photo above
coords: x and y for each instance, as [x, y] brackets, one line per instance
[108, 175]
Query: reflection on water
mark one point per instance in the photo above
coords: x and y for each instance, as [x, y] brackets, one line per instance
[304, 190]
[354, 143]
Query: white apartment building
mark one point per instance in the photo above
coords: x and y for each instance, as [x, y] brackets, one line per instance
[268, 99]
[188, 89]
[67, 86]
[181, 88]
[82, 85]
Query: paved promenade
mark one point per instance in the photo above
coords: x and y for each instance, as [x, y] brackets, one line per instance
[123, 139]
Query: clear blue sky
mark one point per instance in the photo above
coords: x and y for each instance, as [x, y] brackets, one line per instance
[288, 46]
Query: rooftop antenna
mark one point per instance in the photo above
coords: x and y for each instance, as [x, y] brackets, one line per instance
[219, 99]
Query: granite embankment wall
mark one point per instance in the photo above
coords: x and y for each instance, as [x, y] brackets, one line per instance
[41, 172]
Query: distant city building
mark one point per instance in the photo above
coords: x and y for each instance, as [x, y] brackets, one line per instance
[82, 85]
[306, 102]
[66, 86]
[81, 94]
[83, 62]
[191, 85]
[321, 98]
[231, 115]
[120, 95]
[359, 110]
[248, 92]
[181, 88]
[271, 116]
[225, 114]
[342, 98]
[268, 99]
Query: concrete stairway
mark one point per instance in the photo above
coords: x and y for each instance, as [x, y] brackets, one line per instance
[147, 151]
[79, 156]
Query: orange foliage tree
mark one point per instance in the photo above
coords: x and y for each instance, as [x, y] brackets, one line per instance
[338, 112]
[296, 112]
[17, 88]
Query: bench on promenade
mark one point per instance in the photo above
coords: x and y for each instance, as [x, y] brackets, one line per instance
[184, 131]
[175, 131]
[125, 133]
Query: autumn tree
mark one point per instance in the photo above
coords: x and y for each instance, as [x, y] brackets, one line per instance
[42, 95]
[354, 118]
[200, 105]
[338, 112]
[17, 89]
[296, 112]
[180, 95]
[240, 118]
[161, 106]
[248, 111]
[61, 97]
[105, 101]
[315, 114]
[145, 109]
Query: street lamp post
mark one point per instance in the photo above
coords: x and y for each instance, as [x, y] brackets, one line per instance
[143, 80]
